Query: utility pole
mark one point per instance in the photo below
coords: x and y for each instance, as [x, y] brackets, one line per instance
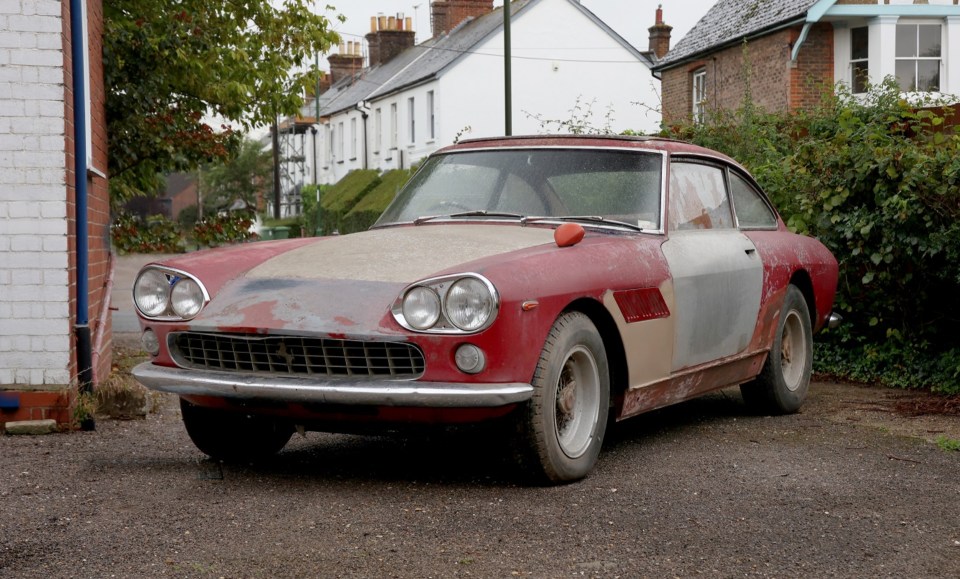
[507, 84]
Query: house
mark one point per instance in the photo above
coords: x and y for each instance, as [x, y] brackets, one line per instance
[783, 53]
[55, 328]
[400, 102]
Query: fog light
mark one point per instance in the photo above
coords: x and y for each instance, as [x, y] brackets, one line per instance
[149, 342]
[470, 359]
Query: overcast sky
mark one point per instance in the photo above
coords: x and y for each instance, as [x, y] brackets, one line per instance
[630, 18]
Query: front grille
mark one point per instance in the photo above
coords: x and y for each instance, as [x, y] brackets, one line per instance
[296, 355]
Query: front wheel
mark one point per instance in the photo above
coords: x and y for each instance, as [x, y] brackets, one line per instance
[564, 424]
[784, 381]
[233, 436]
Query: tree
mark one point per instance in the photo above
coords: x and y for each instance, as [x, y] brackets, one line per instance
[241, 177]
[170, 64]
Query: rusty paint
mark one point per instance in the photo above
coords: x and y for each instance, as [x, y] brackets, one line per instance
[692, 383]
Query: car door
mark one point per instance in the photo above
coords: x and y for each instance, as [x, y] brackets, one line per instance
[717, 274]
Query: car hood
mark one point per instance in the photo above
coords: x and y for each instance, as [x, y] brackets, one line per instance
[346, 285]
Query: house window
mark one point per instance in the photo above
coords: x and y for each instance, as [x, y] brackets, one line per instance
[340, 142]
[859, 51]
[431, 128]
[918, 57]
[699, 97]
[353, 139]
[378, 130]
[393, 126]
[412, 126]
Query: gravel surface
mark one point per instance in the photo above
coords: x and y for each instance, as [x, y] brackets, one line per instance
[846, 488]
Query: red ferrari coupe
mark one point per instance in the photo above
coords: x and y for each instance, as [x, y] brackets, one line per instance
[547, 283]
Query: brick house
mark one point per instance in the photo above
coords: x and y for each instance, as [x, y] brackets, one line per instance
[54, 325]
[786, 52]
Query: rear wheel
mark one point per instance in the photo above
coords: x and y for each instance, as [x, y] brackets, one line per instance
[784, 381]
[233, 436]
[564, 424]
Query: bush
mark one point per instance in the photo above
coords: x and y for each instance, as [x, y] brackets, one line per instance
[341, 197]
[878, 182]
[156, 234]
[366, 212]
[223, 229]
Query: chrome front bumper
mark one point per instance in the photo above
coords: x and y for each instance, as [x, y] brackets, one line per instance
[330, 391]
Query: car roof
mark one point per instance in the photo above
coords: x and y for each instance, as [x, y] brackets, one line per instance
[671, 146]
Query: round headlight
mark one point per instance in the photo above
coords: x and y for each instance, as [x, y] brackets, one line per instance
[186, 299]
[151, 292]
[421, 308]
[469, 304]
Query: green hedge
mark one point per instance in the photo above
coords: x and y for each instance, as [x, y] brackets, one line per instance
[878, 181]
[369, 208]
[338, 199]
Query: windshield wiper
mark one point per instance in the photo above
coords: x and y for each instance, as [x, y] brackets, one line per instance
[485, 213]
[586, 218]
[476, 213]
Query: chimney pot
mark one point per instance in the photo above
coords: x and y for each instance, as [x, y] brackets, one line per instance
[660, 35]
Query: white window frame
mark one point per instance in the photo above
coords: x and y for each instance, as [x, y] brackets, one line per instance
[698, 96]
[340, 132]
[855, 61]
[431, 127]
[412, 120]
[918, 59]
[393, 126]
[353, 139]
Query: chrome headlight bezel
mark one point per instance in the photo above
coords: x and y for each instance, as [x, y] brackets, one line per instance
[441, 286]
[172, 277]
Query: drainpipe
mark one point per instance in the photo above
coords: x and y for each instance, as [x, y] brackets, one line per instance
[82, 326]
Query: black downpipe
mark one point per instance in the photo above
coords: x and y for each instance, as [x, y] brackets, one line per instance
[81, 219]
[364, 115]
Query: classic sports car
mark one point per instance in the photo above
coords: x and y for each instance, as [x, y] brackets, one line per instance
[547, 283]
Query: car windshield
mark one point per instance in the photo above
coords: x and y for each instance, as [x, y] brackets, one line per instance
[594, 185]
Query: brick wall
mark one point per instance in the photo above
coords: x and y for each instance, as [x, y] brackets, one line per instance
[760, 68]
[448, 14]
[37, 248]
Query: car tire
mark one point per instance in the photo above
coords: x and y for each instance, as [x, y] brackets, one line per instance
[564, 423]
[784, 381]
[233, 436]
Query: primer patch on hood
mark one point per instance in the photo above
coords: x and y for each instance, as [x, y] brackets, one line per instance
[399, 254]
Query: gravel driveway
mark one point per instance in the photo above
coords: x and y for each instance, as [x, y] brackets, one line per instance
[701, 488]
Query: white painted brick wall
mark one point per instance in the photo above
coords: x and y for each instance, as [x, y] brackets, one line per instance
[35, 324]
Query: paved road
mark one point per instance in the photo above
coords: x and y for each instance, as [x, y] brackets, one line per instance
[698, 489]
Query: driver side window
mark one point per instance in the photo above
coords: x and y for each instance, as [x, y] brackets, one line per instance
[698, 197]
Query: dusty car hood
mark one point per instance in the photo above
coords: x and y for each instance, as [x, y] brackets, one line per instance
[346, 285]
[402, 254]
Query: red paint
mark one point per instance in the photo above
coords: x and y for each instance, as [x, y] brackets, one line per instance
[344, 321]
[568, 234]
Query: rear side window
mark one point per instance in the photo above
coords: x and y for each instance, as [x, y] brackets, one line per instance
[752, 212]
[698, 197]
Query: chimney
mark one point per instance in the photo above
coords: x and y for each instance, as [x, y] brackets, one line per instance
[346, 63]
[448, 14]
[660, 35]
[389, 37]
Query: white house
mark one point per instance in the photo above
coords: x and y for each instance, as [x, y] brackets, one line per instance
[567, 65]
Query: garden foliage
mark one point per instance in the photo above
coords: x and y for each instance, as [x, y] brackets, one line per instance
[877, 179]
